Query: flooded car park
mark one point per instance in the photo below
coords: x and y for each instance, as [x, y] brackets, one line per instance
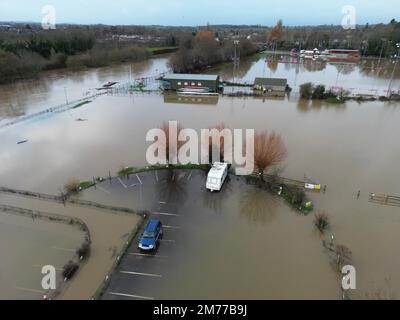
[215, 242]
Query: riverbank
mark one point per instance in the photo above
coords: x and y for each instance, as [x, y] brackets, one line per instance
[89, 60]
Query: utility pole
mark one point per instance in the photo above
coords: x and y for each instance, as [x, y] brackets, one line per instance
[380, 55]
[66, 97]
[389, 94]
[236, 58]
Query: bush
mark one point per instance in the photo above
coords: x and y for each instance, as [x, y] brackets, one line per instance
[296, 195]
[319, 92]
[69, 270]
[306, 90]
[321, 221]
[25, 64]
[72, 186]
[57, 61]
[84, 250]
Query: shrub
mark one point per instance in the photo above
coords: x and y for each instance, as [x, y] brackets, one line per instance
[296, 195]
[321, 221]
[84, 250]
[343, 256]
[72, 186]
[306, 90]
[319, 92]
[69, 270]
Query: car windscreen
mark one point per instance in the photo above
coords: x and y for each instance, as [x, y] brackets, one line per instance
[148, 234]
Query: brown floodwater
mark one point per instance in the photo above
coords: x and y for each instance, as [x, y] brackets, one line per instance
[348, 147]
[108, 233]
[27, 245]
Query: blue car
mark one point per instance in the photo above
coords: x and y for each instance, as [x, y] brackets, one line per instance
[152, 233]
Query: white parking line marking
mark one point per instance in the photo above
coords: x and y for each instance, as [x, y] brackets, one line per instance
[147, 255]
[156, 175]
[104, 190]
[167, 240]
[130, 295]
[165, 214]
[162, 202]
[139, 178]
[190, 174]
[142, 274]
[123, 184]
[31, 290]
[170, 227]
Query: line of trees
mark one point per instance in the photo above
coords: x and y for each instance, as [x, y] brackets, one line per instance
[200, 50]
[24, 55]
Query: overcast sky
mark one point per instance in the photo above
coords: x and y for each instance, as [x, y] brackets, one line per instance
[199, 12]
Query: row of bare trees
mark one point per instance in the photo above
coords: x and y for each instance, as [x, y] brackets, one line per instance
[269, 147]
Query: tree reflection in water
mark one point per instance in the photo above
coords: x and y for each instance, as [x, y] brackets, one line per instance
[257, 206]
[173, 187]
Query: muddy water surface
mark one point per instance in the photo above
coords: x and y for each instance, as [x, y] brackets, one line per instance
[348, 147]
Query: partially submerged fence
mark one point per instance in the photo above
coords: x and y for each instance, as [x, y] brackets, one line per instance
[56, 109]
[53, 217]
[65, 200]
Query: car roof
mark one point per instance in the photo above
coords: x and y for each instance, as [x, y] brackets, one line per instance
[152, 225]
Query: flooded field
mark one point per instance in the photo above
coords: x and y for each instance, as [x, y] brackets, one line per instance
[25, 246]
[348, 147]
[108, 233]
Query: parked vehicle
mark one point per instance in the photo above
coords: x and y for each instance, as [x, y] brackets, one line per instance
[151, 235]
[216, 176]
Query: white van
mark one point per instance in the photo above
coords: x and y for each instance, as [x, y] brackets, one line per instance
[216, 176]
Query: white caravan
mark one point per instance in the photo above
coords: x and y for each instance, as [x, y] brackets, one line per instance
[216, 176]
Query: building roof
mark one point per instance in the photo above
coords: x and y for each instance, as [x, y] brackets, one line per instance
[270, 82]
[186, 76]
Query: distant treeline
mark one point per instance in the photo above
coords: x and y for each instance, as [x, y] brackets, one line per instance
[23, 55]
[200, 50]
[26, 49]
[371, 40]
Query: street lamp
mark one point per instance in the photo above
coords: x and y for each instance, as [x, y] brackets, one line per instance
[394, 70]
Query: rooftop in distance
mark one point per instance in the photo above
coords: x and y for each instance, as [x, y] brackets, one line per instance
[186, 76]
[270, 81]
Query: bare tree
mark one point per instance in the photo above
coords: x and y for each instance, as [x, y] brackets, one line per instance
[321, 221]
[269, 150]
[166, 128]
[71, 186]
[343, 256]
[217, 143]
